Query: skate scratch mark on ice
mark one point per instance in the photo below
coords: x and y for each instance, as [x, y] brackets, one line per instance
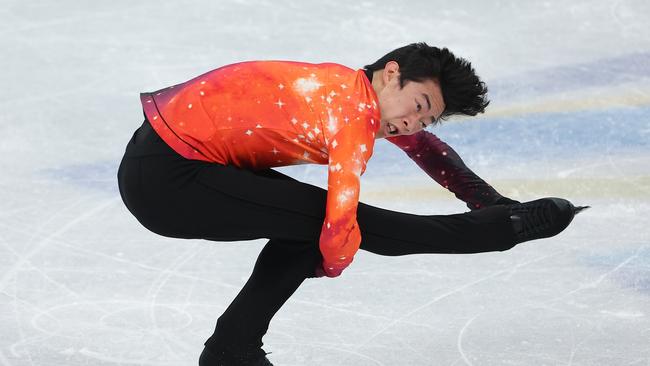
[49, 311]
[622, 23]
[64, 20]
[45, 275]
[414, 351]
[602, 277]
[48, 239]
[102, 357]
[21, 332]
[4, 360]
[460, 340]
[59, 96]
[329, 307]
[449, 293]
[15, 212]
[23, 259]
[162, 280]
[188, 294]
[24, 340]
[612, 166]
[429, 303]
[584, 167]
[118, 306]
[574, 349]
[146, 266]
[338, 348]
[616, 166]
[17, 311]
[515, 268]
[288, 335]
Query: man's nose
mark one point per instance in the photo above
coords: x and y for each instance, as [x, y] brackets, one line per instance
[410, 123]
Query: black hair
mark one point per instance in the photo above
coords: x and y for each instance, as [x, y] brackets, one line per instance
[462, 90]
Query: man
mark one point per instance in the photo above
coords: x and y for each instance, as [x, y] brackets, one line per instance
[199, 167]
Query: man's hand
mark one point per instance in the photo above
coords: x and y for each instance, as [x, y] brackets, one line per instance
[330, 270]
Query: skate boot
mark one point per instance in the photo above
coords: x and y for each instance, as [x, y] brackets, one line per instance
[255, 357]
[542, 218]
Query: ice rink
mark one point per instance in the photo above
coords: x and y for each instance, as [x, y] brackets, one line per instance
[83, 283]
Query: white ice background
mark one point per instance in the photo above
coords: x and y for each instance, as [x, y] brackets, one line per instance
[82, 283]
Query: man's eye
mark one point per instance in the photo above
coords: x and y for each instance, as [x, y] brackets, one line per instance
[418, 107]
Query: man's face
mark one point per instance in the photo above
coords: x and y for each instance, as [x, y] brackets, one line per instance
[407, 110]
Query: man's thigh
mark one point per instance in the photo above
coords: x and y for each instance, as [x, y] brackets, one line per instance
[216, 202]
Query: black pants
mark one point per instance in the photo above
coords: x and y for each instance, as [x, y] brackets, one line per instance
[181, 198]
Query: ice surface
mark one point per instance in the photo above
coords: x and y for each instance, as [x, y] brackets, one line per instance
[82, 283]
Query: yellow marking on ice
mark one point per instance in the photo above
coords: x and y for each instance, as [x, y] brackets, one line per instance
[521, 189]
[599, 99]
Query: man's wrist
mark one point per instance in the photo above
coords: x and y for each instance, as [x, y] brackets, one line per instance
[332, 269]
[505, 201]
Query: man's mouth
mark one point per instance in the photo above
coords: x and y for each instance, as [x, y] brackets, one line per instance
[390, 129]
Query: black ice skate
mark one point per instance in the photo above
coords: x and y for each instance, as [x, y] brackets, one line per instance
[252, 358]
[542, 218]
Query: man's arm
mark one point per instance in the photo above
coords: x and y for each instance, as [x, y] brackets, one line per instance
[349, 151]
[444, 165]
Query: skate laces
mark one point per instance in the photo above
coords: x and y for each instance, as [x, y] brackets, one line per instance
[532, 219]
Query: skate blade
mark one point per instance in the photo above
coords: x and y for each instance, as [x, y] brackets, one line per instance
[578, 209]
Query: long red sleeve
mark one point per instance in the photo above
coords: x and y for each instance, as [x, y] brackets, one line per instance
[444, 165]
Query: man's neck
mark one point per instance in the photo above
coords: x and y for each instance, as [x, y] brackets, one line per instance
[375, 79]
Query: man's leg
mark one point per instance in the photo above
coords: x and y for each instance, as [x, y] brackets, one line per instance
[189, 199]
[284, 264]
[280, 269]
[275, 205]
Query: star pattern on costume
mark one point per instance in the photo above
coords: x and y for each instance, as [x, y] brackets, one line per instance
[309, 114]
[345, 195]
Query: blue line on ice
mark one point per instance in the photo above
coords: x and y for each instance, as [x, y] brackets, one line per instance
[599, 73]
[548, 136]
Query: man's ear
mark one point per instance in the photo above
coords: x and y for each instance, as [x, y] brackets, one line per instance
[391, 70]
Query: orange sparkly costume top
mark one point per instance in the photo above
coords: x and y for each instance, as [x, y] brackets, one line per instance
[262, 114]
